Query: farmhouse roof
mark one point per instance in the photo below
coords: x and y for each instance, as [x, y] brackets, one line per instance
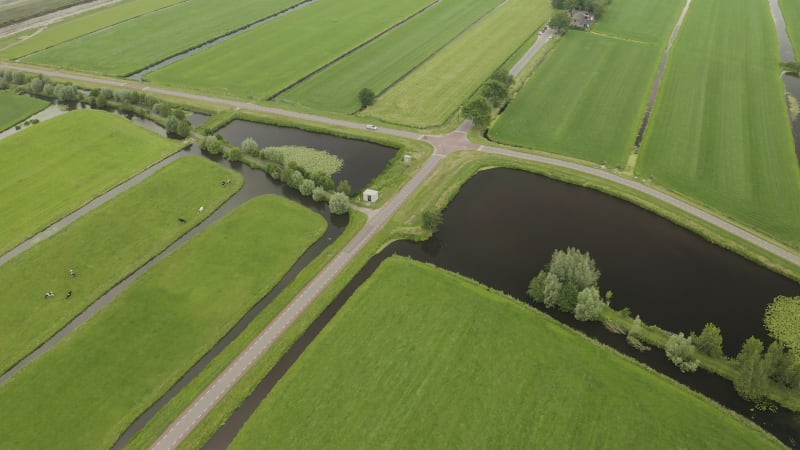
[581, 19]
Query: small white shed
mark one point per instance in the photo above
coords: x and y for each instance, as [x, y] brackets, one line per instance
[370, 195]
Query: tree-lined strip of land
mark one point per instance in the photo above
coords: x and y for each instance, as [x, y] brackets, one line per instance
[720, 131]
[791, 15]
[385, 60]
[138, 43]
[54, 167]
[586, 101]
[84, 392]
[641, 20]
[264, 60]
[83, 24]
[102, 248]
[432, 93]
[17, 108]
[423, 358]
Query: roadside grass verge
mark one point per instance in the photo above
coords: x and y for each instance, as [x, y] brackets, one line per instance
[158, 424]
[49, 170]
[420, 357]
[103, 248]
[146, 40]
[385, 60]
[791, 15]
[83, 393]
[720, 132]
[86, 23]
[585, 101]
[17, 108]
[261, 62]
[648, 21]
[434, 91]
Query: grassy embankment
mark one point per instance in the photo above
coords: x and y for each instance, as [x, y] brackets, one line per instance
[21, 10]
[720, 132]
[85, 23]
[791, 15]
[83, 393]
[146, 40]
[382, 62]
[587, 100]
[420, 357]
[66, 162]
[103, 248]
[431, 94]
[17, 108]
[309, 38]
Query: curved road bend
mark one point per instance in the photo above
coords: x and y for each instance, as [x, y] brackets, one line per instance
[89, 207]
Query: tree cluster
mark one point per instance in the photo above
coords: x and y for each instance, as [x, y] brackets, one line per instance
[597, 7]
[492, 94]
[569, 283]
[366, 97]
[679, 350]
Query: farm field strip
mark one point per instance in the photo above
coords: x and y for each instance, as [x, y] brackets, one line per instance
[791, 15]
[17, 108]
[584, 101]
[384, 61]
[103, 248]
[243, 66]
[20, 10]
[62, 170]
[433, 92]
[720, 132]
[83, 24]
[146, 40]
[369, 380]
[648, 21]
[102, 376]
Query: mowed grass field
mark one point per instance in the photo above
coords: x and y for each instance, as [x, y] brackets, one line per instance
[82, 24]
[720, 131]
[103, 248]
[16, 108]
[434, 91]
[586, 101]
[144, 41]
[51, 169]
[423, 358]
[641, 20]
[791, 15]
[261, 62]
[84, 393]
[385, 60]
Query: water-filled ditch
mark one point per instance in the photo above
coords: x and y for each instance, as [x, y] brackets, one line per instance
[503, 227]
[792, 84]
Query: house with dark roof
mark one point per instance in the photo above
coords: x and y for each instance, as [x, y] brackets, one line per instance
[581, 19]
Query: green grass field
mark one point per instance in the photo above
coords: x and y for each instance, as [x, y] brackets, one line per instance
[585, 101]
[53, 168]
[261, 62]
[14, 11]
[84, 393]
[720, 130]
[384, 61]
[423, 358]
[641, 20]
[103, 248]
[136, 44]
[433, 92]
[791, 14]
[83, 24]
[17, 108]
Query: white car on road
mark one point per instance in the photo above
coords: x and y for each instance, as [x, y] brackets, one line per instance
[372, 127]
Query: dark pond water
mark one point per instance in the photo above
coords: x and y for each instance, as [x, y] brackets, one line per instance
[197, 119]
[503, 227]
[138, 76]
[787, 50]
[363, 160]
[792, 84]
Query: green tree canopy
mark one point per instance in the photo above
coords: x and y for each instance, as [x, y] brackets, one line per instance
[339, 203]
[366, 97]
[709, 341]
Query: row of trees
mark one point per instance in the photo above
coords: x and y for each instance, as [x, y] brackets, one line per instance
[492, 94]
[569, 283]
[314, 184]
[597, 7]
